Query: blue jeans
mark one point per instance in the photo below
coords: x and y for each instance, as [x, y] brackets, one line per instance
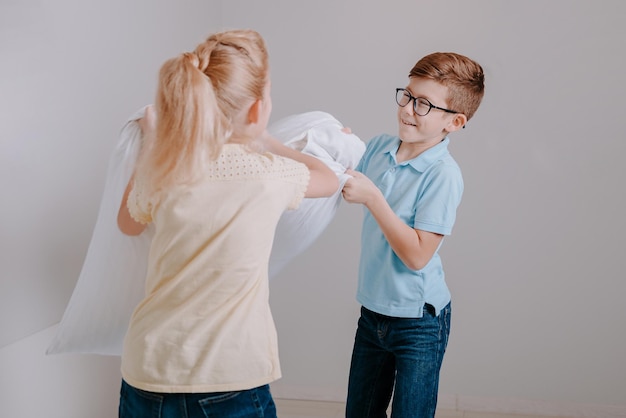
[399, 356]
[253, 403]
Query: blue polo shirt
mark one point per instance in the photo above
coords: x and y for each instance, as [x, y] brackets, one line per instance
[425, 193]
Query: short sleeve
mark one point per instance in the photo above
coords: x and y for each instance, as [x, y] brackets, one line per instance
[299, 175]
[439, 199]
[139, 207]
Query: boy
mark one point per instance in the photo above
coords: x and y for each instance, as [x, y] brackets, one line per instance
[410, 186]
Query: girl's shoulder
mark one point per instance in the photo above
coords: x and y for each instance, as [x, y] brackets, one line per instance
[237, 161]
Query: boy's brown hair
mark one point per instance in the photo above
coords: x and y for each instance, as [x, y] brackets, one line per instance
[463, 77]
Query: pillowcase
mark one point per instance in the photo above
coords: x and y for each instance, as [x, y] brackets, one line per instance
[318, 134]
[111, 281]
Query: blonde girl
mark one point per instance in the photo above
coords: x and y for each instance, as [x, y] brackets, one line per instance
[202, 343]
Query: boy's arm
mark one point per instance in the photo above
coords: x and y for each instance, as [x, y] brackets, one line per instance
[413, 246]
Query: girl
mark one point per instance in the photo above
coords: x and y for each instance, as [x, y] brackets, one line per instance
[202, 343]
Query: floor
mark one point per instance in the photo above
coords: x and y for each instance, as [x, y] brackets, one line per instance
[289, 408]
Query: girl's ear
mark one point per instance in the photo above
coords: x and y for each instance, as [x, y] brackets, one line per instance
[458, 122]
[255, 112]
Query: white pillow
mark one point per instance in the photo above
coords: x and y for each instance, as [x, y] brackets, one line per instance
[318, 134]
[111, 282]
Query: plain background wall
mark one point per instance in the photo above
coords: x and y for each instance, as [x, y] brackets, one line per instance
[71, 73]
[534, 262]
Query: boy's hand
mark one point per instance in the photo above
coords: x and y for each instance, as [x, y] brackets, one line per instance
[359, 189]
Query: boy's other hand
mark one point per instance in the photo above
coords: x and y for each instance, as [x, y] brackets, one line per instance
[359, 188]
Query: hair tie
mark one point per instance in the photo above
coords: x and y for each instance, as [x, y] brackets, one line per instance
[203, 53]
[192, 58]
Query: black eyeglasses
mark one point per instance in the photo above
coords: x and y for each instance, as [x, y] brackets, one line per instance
[421, 106]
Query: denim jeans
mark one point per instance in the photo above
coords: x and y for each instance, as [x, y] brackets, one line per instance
[253, 403]
[399, 356]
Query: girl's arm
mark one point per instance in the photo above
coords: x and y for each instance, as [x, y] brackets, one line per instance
[323, 181]
[125, 222]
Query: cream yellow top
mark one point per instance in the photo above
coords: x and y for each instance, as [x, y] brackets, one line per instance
[205, 323]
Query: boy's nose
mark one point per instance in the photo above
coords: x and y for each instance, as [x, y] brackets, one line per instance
[408, 109]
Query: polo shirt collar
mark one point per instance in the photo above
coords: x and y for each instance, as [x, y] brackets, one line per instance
[426, 158]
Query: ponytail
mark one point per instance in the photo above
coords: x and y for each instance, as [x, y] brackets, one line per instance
[199, 95]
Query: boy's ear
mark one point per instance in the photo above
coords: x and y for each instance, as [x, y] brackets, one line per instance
[255, 112]
[458, 122]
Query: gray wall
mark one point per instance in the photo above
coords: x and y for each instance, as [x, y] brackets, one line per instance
[72, 72]
[533, 262]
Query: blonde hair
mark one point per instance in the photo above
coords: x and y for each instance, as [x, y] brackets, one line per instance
[464, 78]
[200, 96]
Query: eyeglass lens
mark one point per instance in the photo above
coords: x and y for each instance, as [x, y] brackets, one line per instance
[420, 106]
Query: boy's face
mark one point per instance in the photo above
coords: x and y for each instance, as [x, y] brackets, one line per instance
[426, 131]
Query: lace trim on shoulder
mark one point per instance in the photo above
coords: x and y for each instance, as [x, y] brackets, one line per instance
[140, 213]
[234, 163]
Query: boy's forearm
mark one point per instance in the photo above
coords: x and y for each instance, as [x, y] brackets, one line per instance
[403, 239]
